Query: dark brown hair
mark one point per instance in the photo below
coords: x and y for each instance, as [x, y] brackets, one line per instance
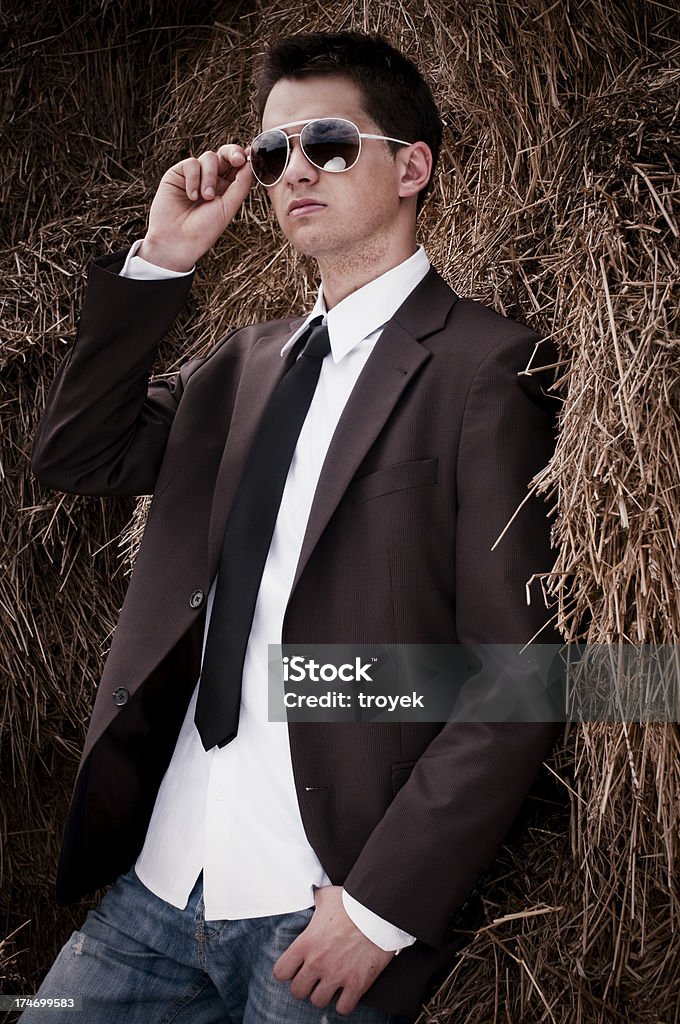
[396, 96]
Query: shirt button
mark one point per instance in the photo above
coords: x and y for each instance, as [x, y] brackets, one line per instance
[196, 599]
[120, 696]
[220, 794]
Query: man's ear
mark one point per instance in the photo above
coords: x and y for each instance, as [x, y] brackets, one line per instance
[416, 162]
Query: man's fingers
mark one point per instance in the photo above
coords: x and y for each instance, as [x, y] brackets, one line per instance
[191, 169]
[304, 981]
[238, 189]
[288, 963]
[209, 162]
[323, 993]
[348, 1000]
[231, 159]
[231, 155]
[213, 173]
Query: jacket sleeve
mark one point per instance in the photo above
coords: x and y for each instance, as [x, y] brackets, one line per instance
[105, 427]
[447, 821]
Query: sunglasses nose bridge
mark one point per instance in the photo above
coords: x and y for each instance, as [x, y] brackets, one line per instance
[298, 164]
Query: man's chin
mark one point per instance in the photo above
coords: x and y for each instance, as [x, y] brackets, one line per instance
[309, 243]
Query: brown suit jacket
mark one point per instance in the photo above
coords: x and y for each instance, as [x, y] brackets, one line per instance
[432, 455]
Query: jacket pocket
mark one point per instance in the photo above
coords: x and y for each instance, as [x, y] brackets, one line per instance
[396, 477]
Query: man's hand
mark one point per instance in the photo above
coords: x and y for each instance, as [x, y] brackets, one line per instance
[331, 954]
[196, 200]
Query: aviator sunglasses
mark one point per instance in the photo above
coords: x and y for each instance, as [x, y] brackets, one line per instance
[329, 143]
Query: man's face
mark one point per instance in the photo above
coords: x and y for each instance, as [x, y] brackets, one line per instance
[351, 215]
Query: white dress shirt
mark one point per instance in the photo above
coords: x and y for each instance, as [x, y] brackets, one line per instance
[233, 811]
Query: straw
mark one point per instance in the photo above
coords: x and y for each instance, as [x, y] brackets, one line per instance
[555, 203]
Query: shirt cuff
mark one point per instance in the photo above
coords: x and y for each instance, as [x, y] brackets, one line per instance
[385, 935]
[141, 270]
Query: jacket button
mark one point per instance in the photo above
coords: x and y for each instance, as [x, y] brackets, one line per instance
[120, 696]
[196, 599]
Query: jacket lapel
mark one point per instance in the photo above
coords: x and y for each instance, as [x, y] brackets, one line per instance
[397, 356]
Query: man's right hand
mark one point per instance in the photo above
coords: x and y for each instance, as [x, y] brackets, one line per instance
[196, 200]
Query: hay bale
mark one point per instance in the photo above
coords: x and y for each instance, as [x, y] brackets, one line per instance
[553, 204]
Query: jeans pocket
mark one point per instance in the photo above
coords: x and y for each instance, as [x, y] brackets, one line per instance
[287, 927]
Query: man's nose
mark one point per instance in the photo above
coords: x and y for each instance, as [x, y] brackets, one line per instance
[299, 168]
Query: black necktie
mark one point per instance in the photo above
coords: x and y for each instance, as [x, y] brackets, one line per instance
[247, 539]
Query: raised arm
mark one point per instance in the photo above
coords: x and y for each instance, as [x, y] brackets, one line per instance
[105, 427]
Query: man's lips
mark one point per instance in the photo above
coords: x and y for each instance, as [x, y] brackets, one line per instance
[301, 207]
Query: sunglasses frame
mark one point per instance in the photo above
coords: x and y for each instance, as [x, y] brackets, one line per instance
[298, 135]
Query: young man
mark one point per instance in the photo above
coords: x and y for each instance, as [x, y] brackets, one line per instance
[266, 872]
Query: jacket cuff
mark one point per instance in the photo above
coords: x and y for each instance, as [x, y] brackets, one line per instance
[385, 935]
[141, 270]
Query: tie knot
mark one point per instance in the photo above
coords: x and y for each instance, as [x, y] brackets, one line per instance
[318, 343]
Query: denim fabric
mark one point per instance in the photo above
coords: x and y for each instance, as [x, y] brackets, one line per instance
[139, 960]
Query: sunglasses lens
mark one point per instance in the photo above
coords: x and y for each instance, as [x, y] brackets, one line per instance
[268, 155]
[331, 143]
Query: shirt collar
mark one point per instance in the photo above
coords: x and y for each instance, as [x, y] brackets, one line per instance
[368, 308]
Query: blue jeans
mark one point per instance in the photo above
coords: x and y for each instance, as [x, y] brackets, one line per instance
[139, 960]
